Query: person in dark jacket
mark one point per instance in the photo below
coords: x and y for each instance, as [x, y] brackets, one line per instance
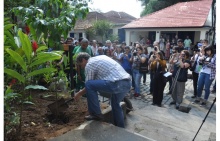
[158, 66]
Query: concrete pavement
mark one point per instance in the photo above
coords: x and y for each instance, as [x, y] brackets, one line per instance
[168, 124]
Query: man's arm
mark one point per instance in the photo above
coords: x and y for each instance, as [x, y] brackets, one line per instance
[79, 94]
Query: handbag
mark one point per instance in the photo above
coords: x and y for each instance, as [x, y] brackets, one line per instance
[183, 75]
[143, 67]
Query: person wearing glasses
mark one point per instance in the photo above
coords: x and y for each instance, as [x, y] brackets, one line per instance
[103, 74]
[181, 66]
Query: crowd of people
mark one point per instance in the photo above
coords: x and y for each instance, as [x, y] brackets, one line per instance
[136, 62]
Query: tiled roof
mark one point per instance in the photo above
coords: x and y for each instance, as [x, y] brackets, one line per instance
[119, 17]
[112, 16]
[90, 18]
[184, 14]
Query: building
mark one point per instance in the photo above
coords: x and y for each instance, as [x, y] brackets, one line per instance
[118, 19]
[185, 18]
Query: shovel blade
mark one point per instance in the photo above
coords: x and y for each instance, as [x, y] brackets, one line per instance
[58, 106]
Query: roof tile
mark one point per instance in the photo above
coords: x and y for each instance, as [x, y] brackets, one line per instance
[184, 14]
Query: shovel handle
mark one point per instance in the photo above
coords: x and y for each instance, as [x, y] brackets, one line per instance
[72, 99]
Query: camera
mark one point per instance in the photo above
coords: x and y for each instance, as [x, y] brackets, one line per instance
[174, 51]
[205, 60]
[199, 45]
[135, 54]
[155, 48]
[154, 56]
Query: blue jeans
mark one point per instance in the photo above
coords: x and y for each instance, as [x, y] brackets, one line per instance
[204, 79]
[137, 80]
[116, 90]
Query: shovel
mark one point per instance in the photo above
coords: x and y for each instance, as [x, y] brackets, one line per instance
[59, 106]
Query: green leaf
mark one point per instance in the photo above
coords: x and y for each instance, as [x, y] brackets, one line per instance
[14, 74]
[35, 87]
[17, 58]
[8, 26]
[26, 45]
[41, 48]
[11, 95]
[44, 59]
[41, 71]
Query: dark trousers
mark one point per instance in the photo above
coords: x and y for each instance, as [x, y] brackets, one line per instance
[144, 77]
[158, 89]
[151, 81]
[195, 81]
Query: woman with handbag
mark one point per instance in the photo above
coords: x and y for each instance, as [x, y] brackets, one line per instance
[158, 67]
[137, 58]
[144, 66]
[180, 73]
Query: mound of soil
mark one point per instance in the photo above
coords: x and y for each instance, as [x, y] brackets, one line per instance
[37, 126]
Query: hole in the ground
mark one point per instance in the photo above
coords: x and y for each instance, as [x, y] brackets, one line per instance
[61, 118]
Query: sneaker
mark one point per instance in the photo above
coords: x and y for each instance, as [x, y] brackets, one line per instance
[193, 96]
[173, 102]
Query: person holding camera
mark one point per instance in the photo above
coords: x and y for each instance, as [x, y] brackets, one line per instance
[137, 58]
[152, 57]
[158, 67]
[207, 74]
[173, 57]
[179, 75]
[195, 69]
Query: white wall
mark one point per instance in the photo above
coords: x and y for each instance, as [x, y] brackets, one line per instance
[134, 33]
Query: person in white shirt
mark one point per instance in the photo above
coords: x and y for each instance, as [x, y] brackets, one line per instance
[94, 47]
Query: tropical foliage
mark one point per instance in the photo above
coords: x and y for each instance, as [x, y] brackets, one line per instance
[102, 29]
[24, 61]
[53, 18]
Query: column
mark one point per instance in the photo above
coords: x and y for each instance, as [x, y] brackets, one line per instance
[127, 37]
[157, 36]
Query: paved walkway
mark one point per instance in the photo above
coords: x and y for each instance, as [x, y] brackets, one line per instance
[168, 124]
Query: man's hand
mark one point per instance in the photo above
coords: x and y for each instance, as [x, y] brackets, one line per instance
[76, 97]
[79, 94]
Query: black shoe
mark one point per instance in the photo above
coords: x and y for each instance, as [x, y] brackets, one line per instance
[177, 107]
[173, 102]
[203, 103]
[196, 101]
[193, 96]
[91, 117]
[153, 104]
[159, 105]
[213, 91]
